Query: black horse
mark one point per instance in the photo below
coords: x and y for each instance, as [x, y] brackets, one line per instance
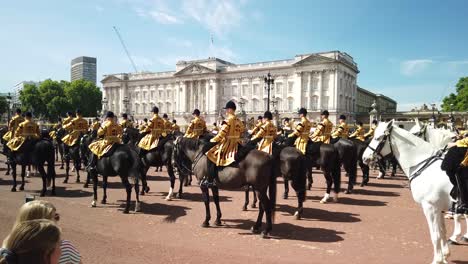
[59, 147]
[36, 153]
[255, 170]
[72, 153]
[123, 161]
[360, 148]
[348, 158]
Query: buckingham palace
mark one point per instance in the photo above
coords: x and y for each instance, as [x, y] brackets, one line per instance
[316, 81]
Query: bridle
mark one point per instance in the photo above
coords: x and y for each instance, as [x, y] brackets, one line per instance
[380, 146]
[180, 165]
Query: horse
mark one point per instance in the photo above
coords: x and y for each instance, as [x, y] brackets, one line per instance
[59, 146]
[123, 161]
[348, 157]
[429, 185]
[72, 153]
[3, 131]
[36, 153]
[256, 169]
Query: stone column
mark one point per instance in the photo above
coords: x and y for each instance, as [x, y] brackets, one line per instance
[297, 90]
[183, 97]
[207, 96]
[214, 96]
[320, 91]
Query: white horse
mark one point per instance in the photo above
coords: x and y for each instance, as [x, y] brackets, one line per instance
[430, 186]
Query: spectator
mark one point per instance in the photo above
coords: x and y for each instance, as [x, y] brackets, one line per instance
[36, 241]
[44, 210]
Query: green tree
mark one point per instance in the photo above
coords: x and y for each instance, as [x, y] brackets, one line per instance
[52, 93]
[31, 100]
[3, 105]
[84, 95]
[459, 101]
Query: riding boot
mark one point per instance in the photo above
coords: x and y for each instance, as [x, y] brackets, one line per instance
[91, 168]
[210, 179]
[462, 182]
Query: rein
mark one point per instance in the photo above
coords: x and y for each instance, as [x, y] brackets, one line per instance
[182, 165]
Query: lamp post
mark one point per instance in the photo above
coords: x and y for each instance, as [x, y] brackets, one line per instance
[104, 104]
[274, 103]
[433, 114]
[8, 107]
[269, 81]
[125, 102]
[241, 104]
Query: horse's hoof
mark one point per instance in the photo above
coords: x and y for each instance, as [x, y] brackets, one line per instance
[93, 204]
[142, 192]
[254, 206]
[78, 181]
[218, 223]
[61, 167]
[42, 194]
[309, 187]
[53, 193]
[13, 189]
[362, 184]
[265, 234]
[451, 242]
[7, 173]
[21, 188]
[126, 211]
[178, 195]
[244, 208]
[348, 191]
[465, 239]
[205, 224]
[103, 202]
[147, 189]
[255, 230]
[297, 216]
[85, 185]
[65, 181]
[168, 198]
[137, 207]
[285, 196]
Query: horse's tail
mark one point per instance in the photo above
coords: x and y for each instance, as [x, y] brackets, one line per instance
[272, 191]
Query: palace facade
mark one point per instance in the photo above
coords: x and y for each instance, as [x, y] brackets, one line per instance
[317, 81]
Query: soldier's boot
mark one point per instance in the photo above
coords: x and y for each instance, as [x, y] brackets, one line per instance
[462, 182]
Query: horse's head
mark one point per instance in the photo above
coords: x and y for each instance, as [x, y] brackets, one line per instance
[379, 145]
[184, 153]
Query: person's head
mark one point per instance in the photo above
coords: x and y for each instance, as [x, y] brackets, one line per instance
[34, 241]
[18, 111]
[165, 116]
[196, 113]
[214, 124]
[260, 118]
[96, 119]
[155, 110]
[60, 119]
[174, 121]
[124, 116]
[342, 118]
[268, 116]
[374, 122]
[359, 124]
[37, 209]
[302, 112]
[69, 114]
[286, 119]
[230, 107]
[78, 112]
[145, 120]
[89, 122]
[28, 115]
[110, 116]
[324, 114]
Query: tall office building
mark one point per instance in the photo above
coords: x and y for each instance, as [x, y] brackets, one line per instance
[83, 68]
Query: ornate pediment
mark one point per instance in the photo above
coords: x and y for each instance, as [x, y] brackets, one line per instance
[313, 60]
[194, 69]
[110, 78]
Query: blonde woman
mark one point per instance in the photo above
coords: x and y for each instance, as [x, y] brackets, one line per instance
[36, 241]
[44, 210]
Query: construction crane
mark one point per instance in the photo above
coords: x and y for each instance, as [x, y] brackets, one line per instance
[125, 48]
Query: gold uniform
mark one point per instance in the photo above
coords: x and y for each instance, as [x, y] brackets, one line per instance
[267, 133]
[55, 128]
[287, 126]
[323, 132]
[196, 128]
[341, 131]
[463, 143]
[167, 126]
[28, 129]
[228, 139]
[66, 121]
[78, 127]
[371, 131]
[95, 126]
[126, 124]
[112, 133]
[175, 128]
[359, 133]
[302, 132]
[257, 127]
[156, 128]
[12, 127]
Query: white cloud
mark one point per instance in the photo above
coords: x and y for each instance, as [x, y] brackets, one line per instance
[413, 67]
[164, 18]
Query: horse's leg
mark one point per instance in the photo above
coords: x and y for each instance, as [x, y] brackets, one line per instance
[67, 169]
[13, 174]
[329, 179]
[170, 172]
[61, 156]
[215, 192]
[28, 173]
[246, 201]
[265, 201]
[182, 181]
[254, 204]
[56, 152]
[457, 229]
[104, 188]
[95, 183]
[336, 183]
[8, 167]
[432, 221]
[137, 194]
[365, 173]
[23, 173]
[382, 169]
[443, 234]
[258, 224]
[206, 200]
[286, 188]
[44, 179]
[128, 188]
[309, 178]
[300, 200]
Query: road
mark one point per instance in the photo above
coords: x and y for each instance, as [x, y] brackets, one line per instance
[377, 224]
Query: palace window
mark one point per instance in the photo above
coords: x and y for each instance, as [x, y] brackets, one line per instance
[279, 87]
[290, 87]
[244, 90]
[255, 89]
[325, 102]
[313, 103]
[235, 92]
[255, 105]
[326, 81]
[290, 104]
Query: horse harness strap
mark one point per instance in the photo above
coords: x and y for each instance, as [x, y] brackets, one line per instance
[426, 164]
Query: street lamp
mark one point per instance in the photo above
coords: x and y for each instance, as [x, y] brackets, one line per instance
[241, 104]
[8, 107]
[125, 102]
[274, 103]
[269, 81]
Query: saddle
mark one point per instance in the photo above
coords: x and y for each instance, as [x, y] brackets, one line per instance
[334, 140]
[112, 150]
[313, 149]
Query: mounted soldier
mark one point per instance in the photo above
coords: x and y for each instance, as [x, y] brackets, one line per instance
[342, 129]
[95, 125]
[175, 127]
[111, 133]
[258, 125]
[266, 134]
[323, 131]
[55, 128]
[197, 126]
[227, 144]
[13, 125]
[301, 132]
[370, 133]
[143, 125]
[78, 127]
[26, 134]
[167, 125]
[358, 133]
[155, 130]
[125, 122]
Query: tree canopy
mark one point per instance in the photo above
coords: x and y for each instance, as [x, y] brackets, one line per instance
[459, 101]
[3, 105]
[53, 98]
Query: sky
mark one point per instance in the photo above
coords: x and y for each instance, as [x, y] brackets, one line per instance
[412, 51]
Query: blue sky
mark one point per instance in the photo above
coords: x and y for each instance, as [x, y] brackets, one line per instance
[412, 51]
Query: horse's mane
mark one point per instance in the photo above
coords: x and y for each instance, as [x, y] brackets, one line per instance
[190, 143]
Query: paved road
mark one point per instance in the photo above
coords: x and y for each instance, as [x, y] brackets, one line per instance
[377, 224]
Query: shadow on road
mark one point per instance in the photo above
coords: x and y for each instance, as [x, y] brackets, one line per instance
[290, 231]
[171, 211]
[385, 185]
[361, 202]
[375, 193]
[157, 178]
[197, 197]
[67, 193]
[314, 214]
